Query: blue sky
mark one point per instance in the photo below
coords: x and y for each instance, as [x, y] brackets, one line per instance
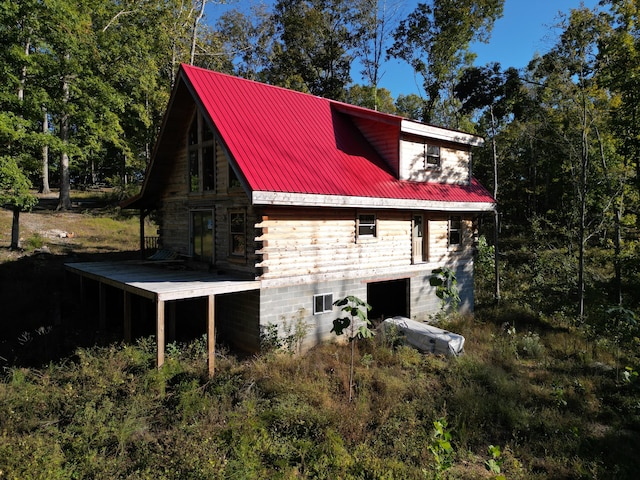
[526, 28]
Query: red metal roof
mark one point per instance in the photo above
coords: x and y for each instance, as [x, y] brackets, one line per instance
[292, 142]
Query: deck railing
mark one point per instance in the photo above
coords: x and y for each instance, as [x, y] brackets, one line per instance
[150, 244]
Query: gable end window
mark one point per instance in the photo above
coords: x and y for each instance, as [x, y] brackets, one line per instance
[322, 303]
[202, 156]
[367, 225]
[237, 234]
[431, 156]
[455, 230]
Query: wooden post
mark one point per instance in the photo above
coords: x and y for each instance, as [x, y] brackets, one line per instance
[142, 215]
[102, 307]
[160, 332]
[127, 317]
[211, 335]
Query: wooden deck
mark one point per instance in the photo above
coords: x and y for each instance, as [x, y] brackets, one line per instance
[160, 284]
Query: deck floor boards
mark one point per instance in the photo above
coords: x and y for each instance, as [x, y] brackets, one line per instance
[161, 284]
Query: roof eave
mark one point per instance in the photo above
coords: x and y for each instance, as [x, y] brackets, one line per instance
[344, 201]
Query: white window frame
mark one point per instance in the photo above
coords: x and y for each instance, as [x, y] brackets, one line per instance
[326, 298]
[432, 152]
[372, 225]
[458, 231]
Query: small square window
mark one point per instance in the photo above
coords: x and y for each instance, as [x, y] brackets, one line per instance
[366, 225]
[431, 156]
[322, 303]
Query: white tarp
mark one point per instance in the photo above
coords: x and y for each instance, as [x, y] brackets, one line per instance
[424, 337]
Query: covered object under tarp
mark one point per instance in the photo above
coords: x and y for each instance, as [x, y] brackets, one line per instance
[424, 337]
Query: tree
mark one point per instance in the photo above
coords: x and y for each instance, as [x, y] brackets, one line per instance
[355, 323]
[247, 40]
[434, 39]
[363, 96]
[574, 148]
[373, 19]
[490, 89]
[311, 51]
[15, 194]
[410, 106]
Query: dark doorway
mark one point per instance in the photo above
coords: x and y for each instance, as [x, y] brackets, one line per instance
[387, 299]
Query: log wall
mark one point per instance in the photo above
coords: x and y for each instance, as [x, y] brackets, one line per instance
[307, 242]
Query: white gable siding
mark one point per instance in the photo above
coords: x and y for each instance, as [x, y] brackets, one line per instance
[454, 163]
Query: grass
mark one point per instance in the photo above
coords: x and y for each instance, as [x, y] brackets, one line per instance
[535, 396]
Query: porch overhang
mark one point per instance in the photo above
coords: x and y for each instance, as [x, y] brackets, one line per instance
[160, 285]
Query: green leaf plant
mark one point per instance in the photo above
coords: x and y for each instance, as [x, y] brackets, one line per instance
[354, 323]
[444, 279]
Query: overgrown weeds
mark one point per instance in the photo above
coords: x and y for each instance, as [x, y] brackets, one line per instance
[107, 412]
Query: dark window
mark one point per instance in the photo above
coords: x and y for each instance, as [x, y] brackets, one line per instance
[366, 225]
[455, 230]
[234, 181]
[237, 233]
[202, 156]
[322, 303]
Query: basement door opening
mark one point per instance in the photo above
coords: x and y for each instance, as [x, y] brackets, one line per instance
[388, 299]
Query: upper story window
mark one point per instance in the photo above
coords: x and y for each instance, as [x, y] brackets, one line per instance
[431, 156]
[367, 225]
[202, 156]
[455, 230]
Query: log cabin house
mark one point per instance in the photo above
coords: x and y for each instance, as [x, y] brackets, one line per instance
[308, 200]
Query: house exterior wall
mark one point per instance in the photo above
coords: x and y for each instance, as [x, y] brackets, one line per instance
[178, 204]
[291, 306]
[454, 163]
[311, 252]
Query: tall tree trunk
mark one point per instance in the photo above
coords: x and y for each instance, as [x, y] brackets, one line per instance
[194, 33]
[15, 229]
[64, 201]
[584, 163]
[44, 187]
[496, 215]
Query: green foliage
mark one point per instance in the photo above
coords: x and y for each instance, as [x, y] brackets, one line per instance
[354, 321]
[495, 460]
[444, 279]
[15, 186]
[287, 337]
[440, 447]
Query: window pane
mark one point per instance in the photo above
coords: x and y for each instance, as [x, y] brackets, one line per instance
[328, 302]
[207, 133]
[208, 168]
[237, 230]
[367, 225]
[194, 182]
[455, 227]
[193, 131]
[433, 155]
[318, 304]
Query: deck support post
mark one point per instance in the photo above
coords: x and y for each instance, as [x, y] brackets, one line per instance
[102, 307]
[211, 335]
[127, 317]
[160, 332]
